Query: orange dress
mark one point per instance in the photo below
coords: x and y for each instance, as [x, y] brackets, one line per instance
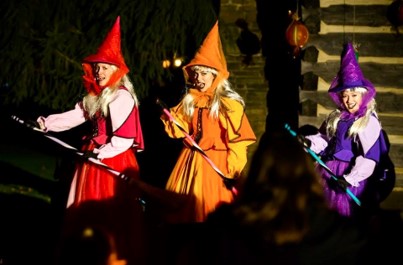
[224, 141]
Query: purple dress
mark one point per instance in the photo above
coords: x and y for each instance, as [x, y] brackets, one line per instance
[340, 156]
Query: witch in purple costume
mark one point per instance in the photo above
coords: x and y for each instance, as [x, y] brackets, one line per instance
[349, 139]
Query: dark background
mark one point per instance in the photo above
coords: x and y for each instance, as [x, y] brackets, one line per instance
[42, 43]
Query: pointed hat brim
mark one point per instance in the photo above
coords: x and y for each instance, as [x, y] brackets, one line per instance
[110, 50]
[350, 74]
[211, 53]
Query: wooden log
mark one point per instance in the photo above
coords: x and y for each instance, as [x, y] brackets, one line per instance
[382, 75]
[327, 3]
[377, 45]
[386, 102]
[389, 123]
[392, 124]
[370, 15]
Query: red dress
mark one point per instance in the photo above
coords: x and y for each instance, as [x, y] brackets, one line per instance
[116, 139]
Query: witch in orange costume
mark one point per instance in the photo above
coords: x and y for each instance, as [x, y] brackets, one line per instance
[112, 106]
[213, 114]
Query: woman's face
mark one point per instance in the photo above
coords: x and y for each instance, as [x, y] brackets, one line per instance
[203, 79]
[103, 73]
[351, 100]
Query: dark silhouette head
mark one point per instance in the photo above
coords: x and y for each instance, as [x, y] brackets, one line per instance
[281, 188]
[241, 23]
[87, 245]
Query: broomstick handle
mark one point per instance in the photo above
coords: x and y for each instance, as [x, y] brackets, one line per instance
[317, 158]
[26, 124]
[64, 144]
[172, 119]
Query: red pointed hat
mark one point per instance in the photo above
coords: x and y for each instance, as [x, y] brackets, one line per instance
[210, 54]
[109, 52]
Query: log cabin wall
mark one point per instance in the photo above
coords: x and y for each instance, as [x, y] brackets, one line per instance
[330, 23]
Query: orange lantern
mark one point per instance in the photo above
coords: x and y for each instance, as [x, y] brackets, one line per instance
[297, 34]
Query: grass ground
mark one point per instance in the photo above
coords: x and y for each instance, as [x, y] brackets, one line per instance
[31, 195]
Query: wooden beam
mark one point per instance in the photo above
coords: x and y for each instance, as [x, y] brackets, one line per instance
[325, 29]
[324, 57]
[327, 3]
[384, 45]
[381, 75]
[386, 102]
[373, 16]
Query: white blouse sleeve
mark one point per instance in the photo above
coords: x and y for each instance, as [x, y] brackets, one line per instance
[65, 120]
[318, 143]
[362, 169]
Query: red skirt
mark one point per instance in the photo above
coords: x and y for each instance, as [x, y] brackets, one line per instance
[95, 182]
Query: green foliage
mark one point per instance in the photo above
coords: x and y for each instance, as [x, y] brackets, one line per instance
[42, 43]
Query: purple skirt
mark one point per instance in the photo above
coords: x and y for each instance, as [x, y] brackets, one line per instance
[337, 198]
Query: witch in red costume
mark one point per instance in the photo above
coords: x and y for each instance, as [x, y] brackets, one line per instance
[112, 106]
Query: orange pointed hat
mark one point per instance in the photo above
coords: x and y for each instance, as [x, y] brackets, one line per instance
[210, 54]
[109, 52]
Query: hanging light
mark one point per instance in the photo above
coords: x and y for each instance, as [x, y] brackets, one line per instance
[166, 63]
[177, 62]
[296, 34]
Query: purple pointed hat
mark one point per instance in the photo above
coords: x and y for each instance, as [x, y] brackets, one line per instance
[350, 76]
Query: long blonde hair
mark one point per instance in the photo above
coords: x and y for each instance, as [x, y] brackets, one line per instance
[359, 124]
[99, 103]
[224, 89]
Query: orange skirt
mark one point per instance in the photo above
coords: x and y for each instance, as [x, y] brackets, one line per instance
[194, 176]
